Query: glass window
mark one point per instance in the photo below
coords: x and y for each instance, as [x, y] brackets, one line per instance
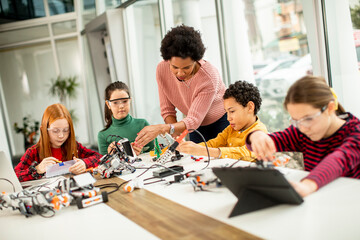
[94, 105]
[60, 6]
[21, 10]
[112, 3]
[25, 73]
[88, 4]
[69, 61]
[355, 17]
[64, 27]
[25, 34]
[144, 35]
[343, 17]
[266, 41]
[88, 12]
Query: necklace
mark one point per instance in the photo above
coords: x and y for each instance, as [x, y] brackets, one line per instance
[188, 82]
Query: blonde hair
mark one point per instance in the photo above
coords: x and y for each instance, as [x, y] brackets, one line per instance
[312, 90]
[69, 147]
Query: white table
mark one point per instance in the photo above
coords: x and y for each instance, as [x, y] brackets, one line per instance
[330, 213]
[95, 222]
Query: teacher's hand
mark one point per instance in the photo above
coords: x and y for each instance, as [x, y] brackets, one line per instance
[149, 133]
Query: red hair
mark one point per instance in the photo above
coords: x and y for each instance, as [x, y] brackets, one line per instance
[69, 147]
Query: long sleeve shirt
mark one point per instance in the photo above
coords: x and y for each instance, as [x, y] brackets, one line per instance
[232, 142]
[127, 127]
[199, 98]
[26, 171]
[327, 159]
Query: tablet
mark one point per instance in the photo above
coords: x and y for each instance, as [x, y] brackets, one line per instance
[257, 188]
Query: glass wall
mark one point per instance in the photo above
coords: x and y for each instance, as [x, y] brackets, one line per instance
[94, 105]
[64, 27]
[268, 37]
[25, 34]
[60, 6]
[25, 73]
[21, 10]
[342, 48]
[88, 12]
[69, 62]
[265, 42]
[355, 19]
[143, 31]
[31, 59]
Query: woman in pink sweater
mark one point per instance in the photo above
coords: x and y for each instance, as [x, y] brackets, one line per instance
[190, 84]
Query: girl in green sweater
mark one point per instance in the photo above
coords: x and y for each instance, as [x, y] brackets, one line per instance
[118, 120]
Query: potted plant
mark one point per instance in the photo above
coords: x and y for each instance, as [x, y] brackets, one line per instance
[29, 130]
[65, 89]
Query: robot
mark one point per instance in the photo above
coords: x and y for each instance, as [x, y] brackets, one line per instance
[203, 180]
[168, 154]
[77, 190]
[119, 161]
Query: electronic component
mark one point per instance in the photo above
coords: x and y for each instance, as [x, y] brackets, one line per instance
[135, 183]
[164, 172]
[166, 155]
[87, 202]
[119, 162]
[202, 180]
[79, 189]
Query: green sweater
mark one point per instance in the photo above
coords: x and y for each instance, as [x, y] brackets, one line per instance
[127, 127]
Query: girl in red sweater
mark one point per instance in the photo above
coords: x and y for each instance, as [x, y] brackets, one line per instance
[56, 143]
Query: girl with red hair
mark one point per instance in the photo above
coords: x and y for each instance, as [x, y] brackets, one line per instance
[57, 143]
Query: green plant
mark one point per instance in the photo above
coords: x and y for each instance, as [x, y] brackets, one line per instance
[29, 130]
[65, 89]
[355, 16]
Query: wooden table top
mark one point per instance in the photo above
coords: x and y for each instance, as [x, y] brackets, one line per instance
[167, 219]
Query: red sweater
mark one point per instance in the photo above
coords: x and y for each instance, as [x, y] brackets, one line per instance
[25, 170]
[329, 158]
[199, 98]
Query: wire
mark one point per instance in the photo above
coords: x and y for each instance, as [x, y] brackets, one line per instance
[161, 180]
[9, 182]
[123, 183]
[107, 185]
[112, 137]
[207, 148]
[234, 163]
[50, 209]
[147, 169]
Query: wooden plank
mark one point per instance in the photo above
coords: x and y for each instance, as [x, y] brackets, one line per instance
[167, 219]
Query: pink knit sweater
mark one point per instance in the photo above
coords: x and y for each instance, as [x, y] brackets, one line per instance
[199, 98]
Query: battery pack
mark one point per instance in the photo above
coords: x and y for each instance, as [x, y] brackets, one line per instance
[164, 172]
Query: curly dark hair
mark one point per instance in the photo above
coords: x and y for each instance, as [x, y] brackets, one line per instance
[182, 41]
[244, 92]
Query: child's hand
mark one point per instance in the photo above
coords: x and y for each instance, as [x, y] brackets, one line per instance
[304, 187]
[78, 167]
[189, 147]
[262, 145]
[41, 168]
[137, 148]
[111, 147]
